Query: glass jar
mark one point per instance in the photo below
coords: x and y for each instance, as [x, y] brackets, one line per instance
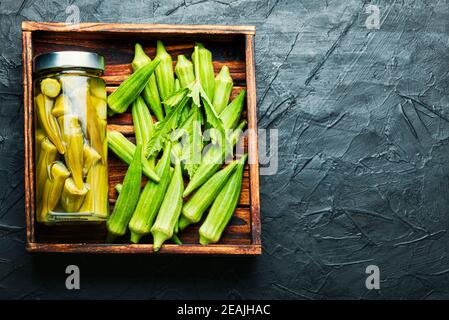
[70, 137]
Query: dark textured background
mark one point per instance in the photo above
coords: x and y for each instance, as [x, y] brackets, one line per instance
[363, 118]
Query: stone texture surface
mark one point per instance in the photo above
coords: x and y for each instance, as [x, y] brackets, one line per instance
[363, 122]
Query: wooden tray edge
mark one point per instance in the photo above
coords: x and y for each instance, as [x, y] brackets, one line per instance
[135, 27]
[190, 249]
[31, 246]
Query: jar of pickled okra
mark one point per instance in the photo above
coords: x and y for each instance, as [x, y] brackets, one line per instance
[70, 107]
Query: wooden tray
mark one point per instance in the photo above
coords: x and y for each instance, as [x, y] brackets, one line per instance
[230, 45]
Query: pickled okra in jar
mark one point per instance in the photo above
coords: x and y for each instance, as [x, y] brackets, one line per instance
[70, 137]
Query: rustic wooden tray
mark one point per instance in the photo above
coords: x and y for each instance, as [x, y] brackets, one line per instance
[230, 45]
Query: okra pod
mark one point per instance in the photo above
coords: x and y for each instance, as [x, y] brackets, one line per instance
[101, 201]
[62, 106]
[150, 93]
[143, 123]
[125, 150]
[96, 200]
[151, 198]
[195, 207]
[170, 209]
[212, 161]
[164, 72]
[52, 190]
[223, 89]
[50, 87]
[47, 156]
[44, 106]
[118, 187]
[95, 129]
[176, 240]
[73, 138]
[230, 115]
[130, 89]
[128, 198]
[39, 135]
[177, 85]
[97, 88]
[90, 158]
[72, 197]
[223, 207]
[204, 69]
[100, 106]
[184, 71]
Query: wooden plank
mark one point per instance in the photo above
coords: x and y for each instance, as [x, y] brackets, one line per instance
[252, 139]
[138, 28]
[145, 249]
[27, 55]
[118, 51]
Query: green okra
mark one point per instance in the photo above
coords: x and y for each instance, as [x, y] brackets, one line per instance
[194, 208]
[62, 106]
[143, 123]
[47, 156]
[44, 106]
[39, 135]
[230, 115]
[223, 207]
[176, 239]
[150, 93]
[100, 106]
[127, 199]
[72, 197]
[223, 89]
[130, 89]
[73, 138]
[212, 161]
[96, 200]
[125, 150]
[170, 210]
[204, 69]
[97, 88]
[164, 72]
[101, 201]
[90, 158]
[96, 129]
[177, 85]
[151, 198]
[118, 187]
[110, 113]
[52, 190]
[184, 71]
[50, 87]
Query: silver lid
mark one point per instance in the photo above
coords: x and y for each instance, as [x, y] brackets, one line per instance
[69, 59]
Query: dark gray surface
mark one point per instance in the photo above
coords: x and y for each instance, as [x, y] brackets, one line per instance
[363, 119]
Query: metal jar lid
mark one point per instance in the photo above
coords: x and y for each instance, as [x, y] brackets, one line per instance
[68, 59]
